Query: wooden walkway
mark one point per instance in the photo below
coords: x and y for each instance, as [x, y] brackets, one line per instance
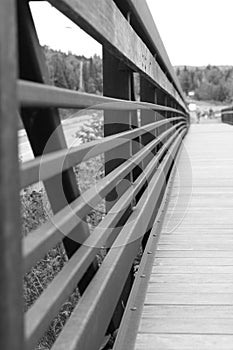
[189, 301]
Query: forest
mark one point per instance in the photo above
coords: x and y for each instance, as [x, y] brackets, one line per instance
[74, 72]
[210, 83]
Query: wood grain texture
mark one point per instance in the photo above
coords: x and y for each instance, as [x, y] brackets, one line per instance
[142, 11]
[194, 262]
[186, 325]
[188, 311]
[184, 342]
[189, 300]
[11, 305]
[103, 20]
[203, 288]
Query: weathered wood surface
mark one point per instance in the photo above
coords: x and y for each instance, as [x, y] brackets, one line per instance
[189, 301]
[104, 22]
[11, 303]
[144, 16]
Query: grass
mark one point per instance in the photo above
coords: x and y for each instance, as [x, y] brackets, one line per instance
[35, 210]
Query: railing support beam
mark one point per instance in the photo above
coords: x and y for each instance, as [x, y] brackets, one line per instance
[11, 301]
[117, 83]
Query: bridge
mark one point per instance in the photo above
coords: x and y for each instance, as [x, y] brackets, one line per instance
[164, 280]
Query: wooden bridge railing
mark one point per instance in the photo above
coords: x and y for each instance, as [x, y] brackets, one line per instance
[227, 115]
[141, 141]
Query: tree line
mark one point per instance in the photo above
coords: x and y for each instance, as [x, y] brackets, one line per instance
[207, 83]
[74, 72]
[70, 71]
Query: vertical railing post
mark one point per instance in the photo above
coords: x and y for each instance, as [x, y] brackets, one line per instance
[11, 301]
[160, 116]
[172, 104]
[117, 83]
[147, 94]
[166, 104]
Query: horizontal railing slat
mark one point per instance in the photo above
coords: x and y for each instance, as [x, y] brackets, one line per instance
[46, 237]
[84, 330]
[127, 332]
[41, 95]
[48, 165]
[133, 44]
[103, 20]
[47, 306]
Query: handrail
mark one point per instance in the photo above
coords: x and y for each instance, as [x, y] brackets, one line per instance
[48, 165]
[147, 30]
[122, 254]
[41, 95]
[65, 220]
[140, 144]
[37, 322]
[127, 333]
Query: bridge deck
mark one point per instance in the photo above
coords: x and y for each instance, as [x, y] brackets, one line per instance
[189, 301]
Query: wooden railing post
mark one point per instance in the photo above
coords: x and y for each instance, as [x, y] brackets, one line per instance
[117, 83]
[160, 116]
[148, 94]
[11, 301]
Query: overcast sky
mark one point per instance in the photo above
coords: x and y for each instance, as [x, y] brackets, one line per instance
[194, 32]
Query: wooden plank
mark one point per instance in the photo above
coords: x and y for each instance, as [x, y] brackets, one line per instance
[104, 21]
[201, 231]
[189, 299]
[190, 288]
[196, 246]
[192, 274]
[196, 240]
[188, 311]
[193, 269]
[194, 261]
[194, 254]
[11, 305]
[192, 278]
[147, 341]
[186, 326]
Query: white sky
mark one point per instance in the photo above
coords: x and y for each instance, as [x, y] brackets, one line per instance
[194, 32]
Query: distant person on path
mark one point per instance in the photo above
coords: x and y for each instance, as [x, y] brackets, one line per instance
[211, 113]
[198, 116]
